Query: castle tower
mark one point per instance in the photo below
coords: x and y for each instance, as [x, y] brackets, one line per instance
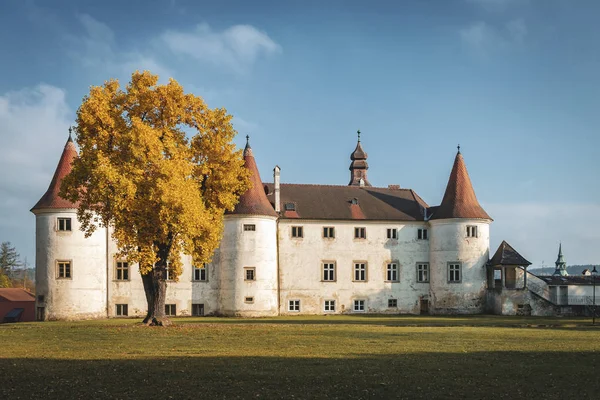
[70, 268]
[561, 264]
[247, 257]
[459, 247]
[358, 166]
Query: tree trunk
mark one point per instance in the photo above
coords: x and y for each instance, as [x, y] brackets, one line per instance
[155, 287]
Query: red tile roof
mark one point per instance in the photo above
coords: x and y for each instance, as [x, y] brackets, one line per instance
[331, 202]
[51, 199]
[459, 200]
[254, 201]
[15, 294]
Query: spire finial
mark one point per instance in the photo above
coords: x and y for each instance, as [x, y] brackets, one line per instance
[458, 147]
[70, 131]
[247, 139]
[358, 132]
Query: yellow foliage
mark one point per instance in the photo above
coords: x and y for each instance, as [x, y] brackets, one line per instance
[162, 193]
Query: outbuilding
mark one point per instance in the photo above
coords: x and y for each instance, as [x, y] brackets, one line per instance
[16, 305]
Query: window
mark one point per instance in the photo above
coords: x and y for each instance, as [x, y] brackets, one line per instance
[248, 300]
[392, 303]
[289, 207]
[329, 271]
[294, 305]
[64, 224]
[454, 275]
[360, 271]
[197, 310]
[168, 273]
[471, 231]
[422, 272]
[200, 273]
[249, 273]
[122, 271]
[360, 233]
[122, 310]
[297, 232]
[392, 272]
[63, 269]
[249, 227]
[170, 309]
[328, 232]
[359, 305]
[329, 306]
[40, 298]
[392, 233]
[422, 234]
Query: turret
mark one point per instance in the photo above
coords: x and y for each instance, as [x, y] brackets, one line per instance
[247, 255]
[459, 247]
[358, 166]
[70, 269]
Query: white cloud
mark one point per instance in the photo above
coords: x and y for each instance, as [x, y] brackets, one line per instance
[483, 38]
[236, 48]
[243, 126]
[479, 35]
[495, 5]
[535, 229]
[33, 129]
[98, 49]
[517, 30]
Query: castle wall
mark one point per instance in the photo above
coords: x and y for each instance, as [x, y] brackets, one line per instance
[301, 266]
[241, 250]
[449, 243]
[183, 293]
[83, 294]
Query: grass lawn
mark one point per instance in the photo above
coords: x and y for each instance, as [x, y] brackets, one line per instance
[346, 357]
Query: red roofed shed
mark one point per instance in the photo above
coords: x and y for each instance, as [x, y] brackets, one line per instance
[15, 298]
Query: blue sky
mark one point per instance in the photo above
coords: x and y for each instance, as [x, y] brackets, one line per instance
[515, 82]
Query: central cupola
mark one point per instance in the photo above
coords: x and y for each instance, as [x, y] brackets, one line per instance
[358, 166]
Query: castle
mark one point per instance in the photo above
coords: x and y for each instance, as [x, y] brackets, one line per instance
[292, 249]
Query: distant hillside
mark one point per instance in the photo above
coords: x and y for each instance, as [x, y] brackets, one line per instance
[571, 269]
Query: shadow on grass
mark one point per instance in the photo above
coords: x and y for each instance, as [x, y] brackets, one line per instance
[406, 320]
[547, 375]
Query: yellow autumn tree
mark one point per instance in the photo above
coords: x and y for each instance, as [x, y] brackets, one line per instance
[159, 168]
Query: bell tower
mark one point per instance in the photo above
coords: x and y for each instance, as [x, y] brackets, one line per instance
[358, 166]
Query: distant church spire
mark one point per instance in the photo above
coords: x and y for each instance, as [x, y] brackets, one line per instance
[358, 166]
[561, 265]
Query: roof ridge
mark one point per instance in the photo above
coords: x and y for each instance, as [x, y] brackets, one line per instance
[344, 186]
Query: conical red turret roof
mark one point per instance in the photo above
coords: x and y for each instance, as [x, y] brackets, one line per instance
[459, 200]
[51, 199]
[254, 201]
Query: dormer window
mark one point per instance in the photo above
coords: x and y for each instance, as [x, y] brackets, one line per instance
[289, 207]
[354, 201]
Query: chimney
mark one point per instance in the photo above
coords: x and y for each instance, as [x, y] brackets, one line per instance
[276, 173]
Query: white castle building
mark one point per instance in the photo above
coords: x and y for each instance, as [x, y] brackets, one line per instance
[294, 249]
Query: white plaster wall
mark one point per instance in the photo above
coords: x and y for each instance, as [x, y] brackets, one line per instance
[241, 249]
[84, 295]
[183, 293]
[585, 290]
[301, 266]
[449, 242]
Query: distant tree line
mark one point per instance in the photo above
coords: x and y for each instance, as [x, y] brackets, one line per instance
[14, 272]
[571, 269]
